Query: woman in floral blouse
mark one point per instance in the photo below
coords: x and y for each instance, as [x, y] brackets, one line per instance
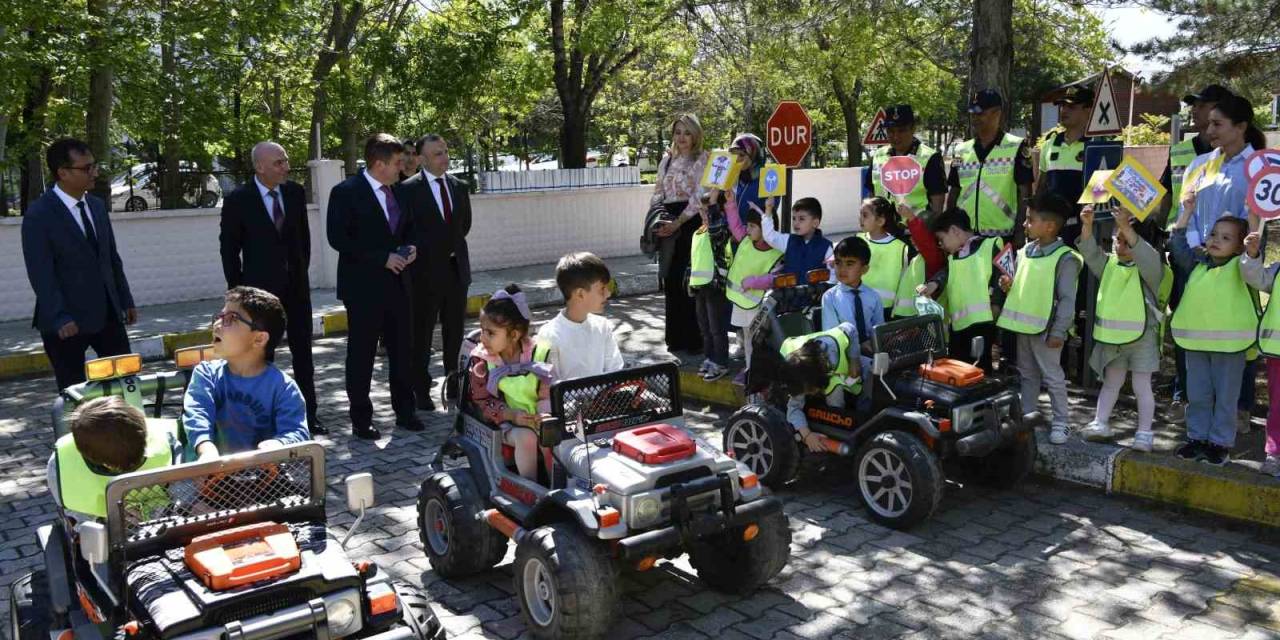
[678, 191]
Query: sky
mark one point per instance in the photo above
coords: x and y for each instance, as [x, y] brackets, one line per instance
[1129, 25]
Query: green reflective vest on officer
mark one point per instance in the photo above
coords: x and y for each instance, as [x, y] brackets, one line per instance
[904, 305]
[1217, 311]
[884, 274]
[702, 259]
[521, 391]
[840, 375]
[1120, 316]
[749, 261]
[988, 191]
[1269, 329]
[918, 199]
[968, 285]
[1028, 307]
[1180, 157]
[83, 490]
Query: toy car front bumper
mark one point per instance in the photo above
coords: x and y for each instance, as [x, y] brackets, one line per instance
[687, 525]
[995, 431]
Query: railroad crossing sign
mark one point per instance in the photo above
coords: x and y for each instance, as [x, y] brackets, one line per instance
[789, 133]
[1104, 118]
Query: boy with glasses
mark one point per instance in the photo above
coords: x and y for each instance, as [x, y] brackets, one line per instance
[243, 401]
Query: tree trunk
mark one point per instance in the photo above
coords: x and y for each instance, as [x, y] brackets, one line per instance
[337, 46]
[32, 135]
[98, 111]
[991, 48]
[277, 113]
[171, 119]
[350, 144]
[573, 139]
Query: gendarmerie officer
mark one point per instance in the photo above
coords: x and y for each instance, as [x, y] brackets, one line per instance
[931, 191]
[991, 178]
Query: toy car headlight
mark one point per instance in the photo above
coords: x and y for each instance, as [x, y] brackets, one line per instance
[962, 418]
[645, 510]
[344, 617]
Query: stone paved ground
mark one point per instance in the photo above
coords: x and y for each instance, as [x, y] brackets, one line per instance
[1043, 561]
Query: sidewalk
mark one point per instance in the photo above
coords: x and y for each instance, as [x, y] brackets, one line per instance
[163, 328]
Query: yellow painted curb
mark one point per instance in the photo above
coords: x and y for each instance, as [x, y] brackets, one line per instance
[25, 363]
[1236, 493]
[476, 303]
[722, 391]
[175, 341]
[333, 323]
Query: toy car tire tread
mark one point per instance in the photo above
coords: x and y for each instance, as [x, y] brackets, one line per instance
[731, 565]
[416, 612]
[584, 579]
[473, 546]
[769, 423]
[902, 454]
[29, 616]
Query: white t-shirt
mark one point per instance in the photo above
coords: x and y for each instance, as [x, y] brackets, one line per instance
[580, 348]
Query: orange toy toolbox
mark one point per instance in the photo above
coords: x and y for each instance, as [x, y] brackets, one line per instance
[953, 372]
[654, 444]
[243, 555]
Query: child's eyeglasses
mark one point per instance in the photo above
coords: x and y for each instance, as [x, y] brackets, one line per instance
[231, 316]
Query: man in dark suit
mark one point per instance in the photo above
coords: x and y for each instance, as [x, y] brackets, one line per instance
[82, 295]
[266, 243]
[375, 240]
[441, 207]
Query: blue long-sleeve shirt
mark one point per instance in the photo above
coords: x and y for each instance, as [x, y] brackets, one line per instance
[1223, 193]
[238, 413]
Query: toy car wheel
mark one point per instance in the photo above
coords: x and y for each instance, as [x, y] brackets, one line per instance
[1010, 464]
[759, 437]
[455, 540]
[416, 613]
[565, 582]
[29, 617]
[731, 564]
[899, 479]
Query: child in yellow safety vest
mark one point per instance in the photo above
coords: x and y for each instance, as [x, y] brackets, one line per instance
[510, 377]
[1263, 278]
[1126, 323]
[1216, 324]
[970, 282]
[750, 270]
[1040, 306]
[892, 271]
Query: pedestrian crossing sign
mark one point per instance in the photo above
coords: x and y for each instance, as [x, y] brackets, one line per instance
[876, 133]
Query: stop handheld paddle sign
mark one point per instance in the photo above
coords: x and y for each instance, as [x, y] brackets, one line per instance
[900, 175]
[1264, 193]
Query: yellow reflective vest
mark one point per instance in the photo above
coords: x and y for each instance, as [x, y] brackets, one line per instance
[702, 259]
[83, 490]
[749, 261]
[918, 199]
[1180, 157]
[968, 285]
[988, 191]
[884, 274]
[1269, 328]
[839, 378]
[520, 391]
[905, 304]
[1029, 305]
[1120, 315]
[1217, 311]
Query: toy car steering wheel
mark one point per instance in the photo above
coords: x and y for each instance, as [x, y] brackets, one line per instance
[238, 488]
[598, 409]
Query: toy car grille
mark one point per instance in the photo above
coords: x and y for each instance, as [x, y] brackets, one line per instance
[152, 508]
[909, 341]
[620, 399]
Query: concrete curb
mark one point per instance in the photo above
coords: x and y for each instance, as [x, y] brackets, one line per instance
[161, 347]
[1230, 491]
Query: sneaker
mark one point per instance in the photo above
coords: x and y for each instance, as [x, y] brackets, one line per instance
[741, 378]
[1143, 440]
[1177, 411]
[1215, 455]
[1096, 431]
[1058, 434]
[715, 372]
[1244, 422]
[1271, 466]
[1192, 450]
[702, 368]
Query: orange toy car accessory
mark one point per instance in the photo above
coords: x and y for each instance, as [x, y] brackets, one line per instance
[654, 444]
[243, 555]
[952, 372]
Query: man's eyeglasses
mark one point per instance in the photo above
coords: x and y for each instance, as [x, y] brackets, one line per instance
[88, 168]
[226, 317]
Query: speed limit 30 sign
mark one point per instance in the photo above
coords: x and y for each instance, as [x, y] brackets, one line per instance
[1264, 193]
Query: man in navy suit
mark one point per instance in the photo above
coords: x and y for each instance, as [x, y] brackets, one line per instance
[265, 242]
[441, 207]
[82, 295]
[374, 236]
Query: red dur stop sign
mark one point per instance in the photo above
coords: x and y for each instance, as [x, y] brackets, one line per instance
[900, 175]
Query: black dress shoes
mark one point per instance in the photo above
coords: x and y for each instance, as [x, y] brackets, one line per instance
[316, 427]
[366, 432]
[410, 423]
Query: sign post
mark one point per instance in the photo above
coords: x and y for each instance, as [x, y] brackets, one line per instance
[789, 136]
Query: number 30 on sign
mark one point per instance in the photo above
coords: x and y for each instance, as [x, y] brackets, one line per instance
[1264, 193]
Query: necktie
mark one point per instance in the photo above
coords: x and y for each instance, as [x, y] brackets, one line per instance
[277, 212]
[860, 320]
[444, 202]
[393, 209]
[89, 233]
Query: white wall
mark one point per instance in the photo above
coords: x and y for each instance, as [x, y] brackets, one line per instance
[172, 256]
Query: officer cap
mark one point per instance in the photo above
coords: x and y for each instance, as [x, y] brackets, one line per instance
[1211, 93]
[899, 115]
[1075, 94]
[986, 99]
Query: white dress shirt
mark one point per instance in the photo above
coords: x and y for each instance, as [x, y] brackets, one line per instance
[268, 201]
[377, 191]
[436, 191]
[75, 211]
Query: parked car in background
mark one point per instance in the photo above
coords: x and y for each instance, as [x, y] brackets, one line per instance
[138, 189]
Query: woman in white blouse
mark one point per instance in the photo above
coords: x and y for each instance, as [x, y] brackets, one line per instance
[678, 191]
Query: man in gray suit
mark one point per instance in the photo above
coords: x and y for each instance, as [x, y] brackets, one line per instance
[82, 295]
